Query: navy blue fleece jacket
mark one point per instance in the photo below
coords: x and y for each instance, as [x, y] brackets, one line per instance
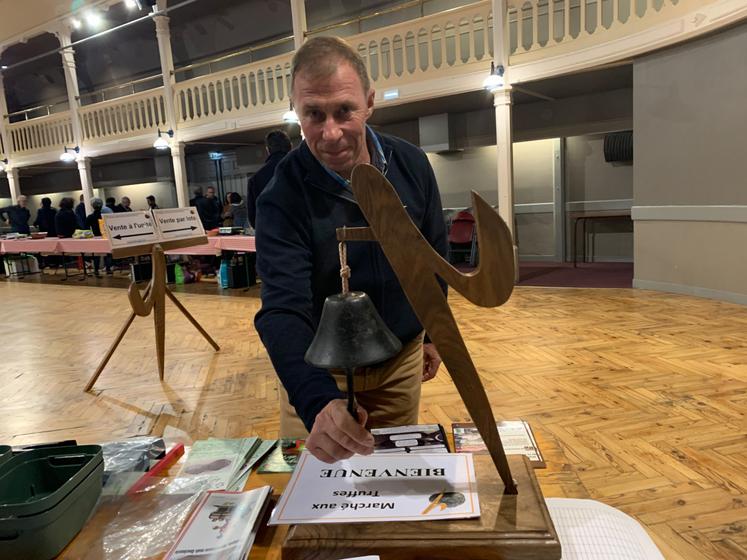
[298, 262]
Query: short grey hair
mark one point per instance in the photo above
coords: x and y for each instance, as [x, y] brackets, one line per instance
[321, 56]
[97, 203]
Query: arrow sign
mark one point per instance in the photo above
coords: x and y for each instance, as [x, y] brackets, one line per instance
[120, 236]
[190, 228]
[128, 229]
[178, 223]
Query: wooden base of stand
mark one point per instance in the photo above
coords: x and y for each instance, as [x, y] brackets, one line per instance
[511, 527]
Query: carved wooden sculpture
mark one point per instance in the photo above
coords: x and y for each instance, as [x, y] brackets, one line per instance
[416, 265]
[514, 523]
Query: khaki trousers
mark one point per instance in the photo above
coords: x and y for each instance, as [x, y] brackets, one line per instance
[389, 393]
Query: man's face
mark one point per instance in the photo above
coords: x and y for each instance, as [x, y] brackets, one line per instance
[22, 201]
[210, 192]
[333, 113]
[125, 202]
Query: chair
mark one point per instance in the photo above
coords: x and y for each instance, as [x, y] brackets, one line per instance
[462, 237]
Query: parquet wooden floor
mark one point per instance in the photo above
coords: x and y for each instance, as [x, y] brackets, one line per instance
[638, 398]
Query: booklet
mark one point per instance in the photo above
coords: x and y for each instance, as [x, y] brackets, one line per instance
[222, 527]
[384, 487]
[284, 457]
[516, 436]
[213, 464]
[422, 438]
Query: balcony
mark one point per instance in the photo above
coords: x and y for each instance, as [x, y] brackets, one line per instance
[437, 55]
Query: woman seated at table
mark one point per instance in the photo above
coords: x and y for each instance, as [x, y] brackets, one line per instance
[65, 221]
[92, 223]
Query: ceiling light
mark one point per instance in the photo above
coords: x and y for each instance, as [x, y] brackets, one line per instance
[131, 4]
[290, 116]
[94, 19]
[3, 67]
[391, 94]
[76, 23]
[68, 156]
[494, 81]
[161, 143]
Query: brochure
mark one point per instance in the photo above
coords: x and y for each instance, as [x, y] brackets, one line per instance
[423, 438]
[516, 436]
[213, 464]
[222, 527]
[284, 457]
[384, 487]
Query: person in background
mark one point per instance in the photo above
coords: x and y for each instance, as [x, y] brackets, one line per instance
[123, 206]
[45, 217]
[237, 211]
[151, 200]
[111, 203]
[92, 223]
[17, 216]
[196, 197]
[226, 215]
[65, 221]
[277, 144]
[80, 213]
[209, 209]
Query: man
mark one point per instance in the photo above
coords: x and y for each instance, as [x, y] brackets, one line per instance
[111, 204]
[277, 145]
[17, 216]
[123, 206]
[209, 209]
[297, 215]
[80, 213]
[45, 217]
[151, 200]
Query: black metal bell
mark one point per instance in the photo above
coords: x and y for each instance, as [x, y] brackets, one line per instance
[351, 334]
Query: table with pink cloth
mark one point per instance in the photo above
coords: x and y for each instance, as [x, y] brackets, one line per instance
[98, 245]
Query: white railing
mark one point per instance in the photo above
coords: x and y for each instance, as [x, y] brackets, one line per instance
[263, 84]
[133, 115]
[535, 26]
[439, 45]
[41, 135]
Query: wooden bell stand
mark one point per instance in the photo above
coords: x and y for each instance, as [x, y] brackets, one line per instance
[514, 523]
[152, 300]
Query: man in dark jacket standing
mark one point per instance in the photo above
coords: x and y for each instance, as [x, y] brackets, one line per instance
[45, 217]
[277, 144]
[17, 215]
[209, 209]
[297, 215]
[80, 213]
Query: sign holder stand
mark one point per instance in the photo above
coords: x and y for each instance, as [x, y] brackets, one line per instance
[153, 299]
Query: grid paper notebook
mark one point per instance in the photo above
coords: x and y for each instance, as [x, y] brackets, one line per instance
[591, 530]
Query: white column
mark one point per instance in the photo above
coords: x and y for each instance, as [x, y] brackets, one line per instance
[14, 182]
[84, 169]
[64, 34]
[163, 35]
[3, 130]
[503, 129]
[298, 13]
[178, 156]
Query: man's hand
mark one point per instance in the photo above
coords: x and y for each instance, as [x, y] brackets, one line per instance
[336, 435]
[431, 361]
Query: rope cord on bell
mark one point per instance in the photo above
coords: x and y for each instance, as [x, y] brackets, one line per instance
[344, 268]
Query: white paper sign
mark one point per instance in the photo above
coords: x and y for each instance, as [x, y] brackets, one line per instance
[178, 223]
[370, 488]
[127, 229]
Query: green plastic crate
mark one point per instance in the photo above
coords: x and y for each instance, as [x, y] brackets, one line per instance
[46, 495]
